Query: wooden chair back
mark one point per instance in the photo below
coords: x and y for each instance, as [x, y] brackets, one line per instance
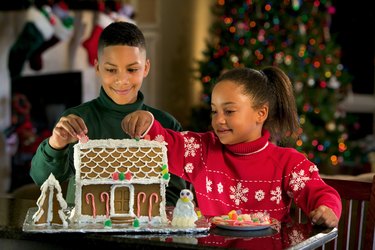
[357, 222]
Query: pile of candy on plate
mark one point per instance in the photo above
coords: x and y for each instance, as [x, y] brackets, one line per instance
[236, 218]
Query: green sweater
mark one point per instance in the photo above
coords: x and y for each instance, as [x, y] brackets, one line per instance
[103, 119]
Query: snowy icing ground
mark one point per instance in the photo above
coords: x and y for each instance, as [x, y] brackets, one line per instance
[202, 226]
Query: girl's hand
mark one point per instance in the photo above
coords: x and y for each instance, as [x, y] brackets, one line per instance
[136, 124]
[67, 130]
[324, 215]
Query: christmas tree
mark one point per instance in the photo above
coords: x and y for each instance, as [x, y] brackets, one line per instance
[295, 36]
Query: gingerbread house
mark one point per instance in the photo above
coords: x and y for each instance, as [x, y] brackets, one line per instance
[51, 204]
[120, 180]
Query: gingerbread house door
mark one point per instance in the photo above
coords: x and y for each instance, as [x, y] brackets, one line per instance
[121, 199]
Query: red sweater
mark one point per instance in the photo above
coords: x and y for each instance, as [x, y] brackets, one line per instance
[251, 177]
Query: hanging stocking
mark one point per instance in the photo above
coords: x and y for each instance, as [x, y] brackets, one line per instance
[91, 44]
[36, 30]
[63, 30]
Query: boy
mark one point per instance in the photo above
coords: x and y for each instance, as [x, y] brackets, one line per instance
[121, 67]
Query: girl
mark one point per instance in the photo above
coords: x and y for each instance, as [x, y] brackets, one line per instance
[236, 166]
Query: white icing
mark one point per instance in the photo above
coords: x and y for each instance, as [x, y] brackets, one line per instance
[50, 204]
[183, 222]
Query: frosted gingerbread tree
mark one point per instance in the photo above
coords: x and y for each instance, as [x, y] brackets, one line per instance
[51, 204]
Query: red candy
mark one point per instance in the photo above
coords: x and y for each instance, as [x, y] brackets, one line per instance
[82, 138]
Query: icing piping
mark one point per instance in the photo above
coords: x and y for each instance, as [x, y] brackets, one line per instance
[50, 205]
[138, 201]
[92, 203]
[150, 204]
[106, 202]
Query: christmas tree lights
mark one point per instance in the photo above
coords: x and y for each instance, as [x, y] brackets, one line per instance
[295, 36]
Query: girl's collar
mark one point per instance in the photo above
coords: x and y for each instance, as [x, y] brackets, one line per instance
[249, 148]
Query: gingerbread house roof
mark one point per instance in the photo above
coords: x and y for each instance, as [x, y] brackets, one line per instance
[101, 159]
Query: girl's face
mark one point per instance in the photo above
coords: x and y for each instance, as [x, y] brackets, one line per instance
[121, 70]
[233, 118]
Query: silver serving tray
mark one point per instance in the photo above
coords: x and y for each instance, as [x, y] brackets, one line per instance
[202, 226]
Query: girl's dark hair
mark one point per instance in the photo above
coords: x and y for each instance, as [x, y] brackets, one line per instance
[121, 33]
[269, 86]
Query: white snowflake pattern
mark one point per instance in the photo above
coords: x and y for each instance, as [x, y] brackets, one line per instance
[298, 180]
[295, 237]
[159, 138]
[313, 168]
[189, 168]
[208, 185]
[259, 195]
[276, 195]
[220, 188]
[238, 193]
[190, 146]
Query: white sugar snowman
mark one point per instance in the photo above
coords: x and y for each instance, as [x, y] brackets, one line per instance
[184, 214]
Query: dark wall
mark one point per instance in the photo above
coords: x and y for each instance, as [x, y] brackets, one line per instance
[354, 24]
[49, 90]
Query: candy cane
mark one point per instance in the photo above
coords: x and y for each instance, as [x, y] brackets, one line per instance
[138, 202]
[150, 204]
[106, 202]
[92, 203]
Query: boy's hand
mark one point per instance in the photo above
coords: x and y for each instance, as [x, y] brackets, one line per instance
[137, 123]
[324, 215]
[67, 130]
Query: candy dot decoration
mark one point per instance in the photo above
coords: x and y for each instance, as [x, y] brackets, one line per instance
[115, 176]
[199, 214]
[121, 176]
[165, 172]
[136, 223]
[128, 176]
[108, 223]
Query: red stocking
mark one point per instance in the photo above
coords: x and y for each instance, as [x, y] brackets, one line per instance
[91, 44]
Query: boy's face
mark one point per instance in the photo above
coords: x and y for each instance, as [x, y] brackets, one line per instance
[121, 70]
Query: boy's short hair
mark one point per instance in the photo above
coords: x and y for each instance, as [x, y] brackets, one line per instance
[121, 33]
